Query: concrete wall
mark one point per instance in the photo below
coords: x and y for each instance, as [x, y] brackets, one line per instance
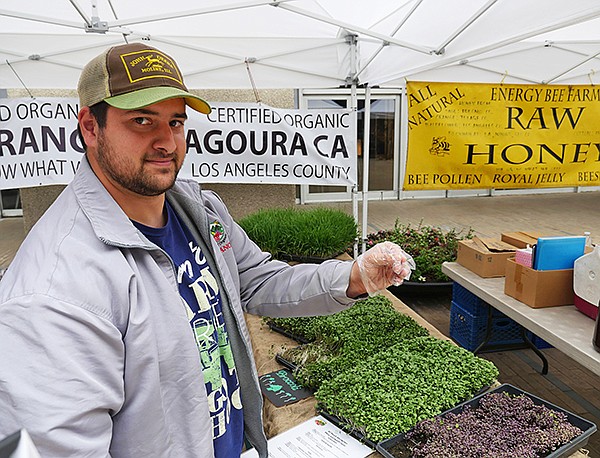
[241, 199]
[36, 201]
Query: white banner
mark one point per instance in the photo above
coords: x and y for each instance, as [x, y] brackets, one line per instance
[236, 143]
[38, 142]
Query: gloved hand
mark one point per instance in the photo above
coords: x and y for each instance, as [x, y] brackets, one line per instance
[384, 265]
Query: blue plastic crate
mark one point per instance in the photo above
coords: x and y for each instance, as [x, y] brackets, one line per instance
[539, 343]
[471, 302]
[469, 330]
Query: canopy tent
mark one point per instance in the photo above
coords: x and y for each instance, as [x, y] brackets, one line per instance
[264, 44]
[309, 43]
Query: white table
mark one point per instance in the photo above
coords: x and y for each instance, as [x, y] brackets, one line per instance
[564, 327]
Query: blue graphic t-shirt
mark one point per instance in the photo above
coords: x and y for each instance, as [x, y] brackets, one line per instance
[200, 291]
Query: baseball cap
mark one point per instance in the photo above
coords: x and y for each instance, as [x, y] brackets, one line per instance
[133, 76]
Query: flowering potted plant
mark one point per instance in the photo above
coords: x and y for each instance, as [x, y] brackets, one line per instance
[429, 246]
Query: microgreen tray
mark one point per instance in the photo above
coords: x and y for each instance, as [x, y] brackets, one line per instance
[396, 443]
[357, 434]
[332, 418]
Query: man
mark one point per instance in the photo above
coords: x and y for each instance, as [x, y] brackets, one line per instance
[121, 317]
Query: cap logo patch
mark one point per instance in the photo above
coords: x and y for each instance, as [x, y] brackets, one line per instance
[142, 65]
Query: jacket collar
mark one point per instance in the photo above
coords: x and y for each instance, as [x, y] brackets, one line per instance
[108, 220]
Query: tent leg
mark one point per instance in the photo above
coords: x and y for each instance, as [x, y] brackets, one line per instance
[353, 106]
[355, 213]
[365, 156]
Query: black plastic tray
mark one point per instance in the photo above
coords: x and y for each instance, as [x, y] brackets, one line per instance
[566, 450]
[343, 426]
[306, 259]
[285, 363]
[282, 331]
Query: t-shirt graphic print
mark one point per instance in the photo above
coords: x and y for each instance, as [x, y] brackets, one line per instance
[200, 291]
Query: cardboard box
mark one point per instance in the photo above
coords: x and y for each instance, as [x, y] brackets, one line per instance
[538, 288]
[521, 239]
[485, 257]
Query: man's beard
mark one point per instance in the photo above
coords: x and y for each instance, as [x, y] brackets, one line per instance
[127, 175]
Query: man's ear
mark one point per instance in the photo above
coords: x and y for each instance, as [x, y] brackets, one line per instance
[88, 126]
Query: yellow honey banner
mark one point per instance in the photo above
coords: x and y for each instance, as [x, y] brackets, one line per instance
[473, 136]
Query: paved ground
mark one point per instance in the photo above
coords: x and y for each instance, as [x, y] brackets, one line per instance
[558, 213]
[568, 384]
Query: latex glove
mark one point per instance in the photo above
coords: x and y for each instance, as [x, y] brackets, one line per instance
[384, 265]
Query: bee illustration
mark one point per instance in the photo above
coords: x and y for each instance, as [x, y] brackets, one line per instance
[439, 146]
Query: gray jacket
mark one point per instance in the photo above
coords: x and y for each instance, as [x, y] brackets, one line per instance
[98, 356]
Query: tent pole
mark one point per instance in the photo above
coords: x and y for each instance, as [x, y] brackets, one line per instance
[365, 156]
[353, 105]
[403, 139]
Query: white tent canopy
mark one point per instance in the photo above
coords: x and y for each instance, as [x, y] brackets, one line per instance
[264, 44]
[309, 43]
